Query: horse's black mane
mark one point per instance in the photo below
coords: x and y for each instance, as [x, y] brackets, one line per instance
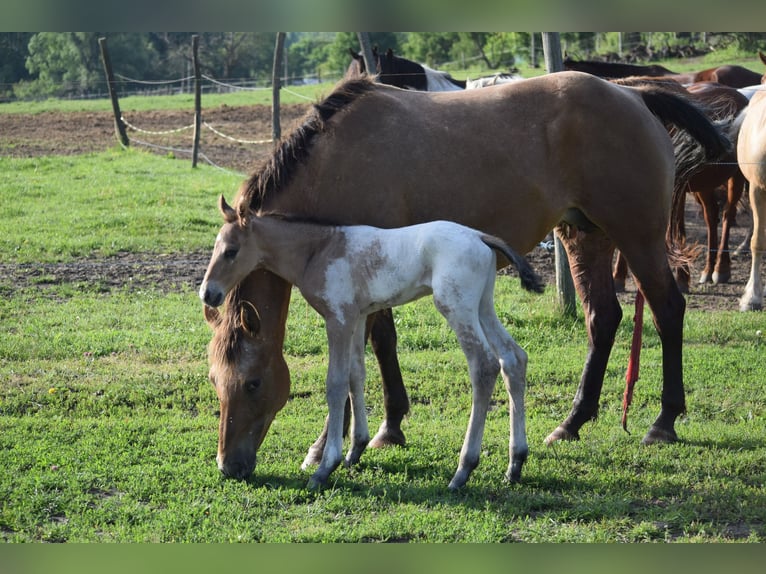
[293, 150]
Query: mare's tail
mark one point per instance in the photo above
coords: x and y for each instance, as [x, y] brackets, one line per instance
[696, 139]
[529, 279]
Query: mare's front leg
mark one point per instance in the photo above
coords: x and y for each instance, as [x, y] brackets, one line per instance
[590, 256]
[382, 335]
[337, 390]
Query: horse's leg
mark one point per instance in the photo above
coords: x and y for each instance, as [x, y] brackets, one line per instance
[360, 434]
[483, 367]
[590, 257]
[620, 273]
[710, 212]
[734, 186]
[513, 368]
[655, 280]
[337, 390]
[382, 334]
[752, 299]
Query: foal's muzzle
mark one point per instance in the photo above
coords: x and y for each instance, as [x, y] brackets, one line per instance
[236, 468]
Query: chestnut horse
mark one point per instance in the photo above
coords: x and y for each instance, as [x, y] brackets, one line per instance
[732, 76]
[567, 151]
[721, 103]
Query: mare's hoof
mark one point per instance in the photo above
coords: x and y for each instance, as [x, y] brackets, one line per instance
[561, 434]
[387, 436]
[659, 435]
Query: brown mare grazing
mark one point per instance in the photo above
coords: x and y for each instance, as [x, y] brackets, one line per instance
[721, 103]
[376, 155]
[751, 155]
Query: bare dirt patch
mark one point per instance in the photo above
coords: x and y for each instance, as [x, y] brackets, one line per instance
[74, 133]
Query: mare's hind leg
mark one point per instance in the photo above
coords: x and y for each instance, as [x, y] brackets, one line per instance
[590, 257]
[655, 279]
[735, 187]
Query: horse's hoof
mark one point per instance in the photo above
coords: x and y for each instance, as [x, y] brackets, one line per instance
[659, 435]
[561, 434]
[719, 278]
[513, 474]
[315, 483]
[387, 436]
[704, 278]
[745, 306]
[313, 458]
[458, 481]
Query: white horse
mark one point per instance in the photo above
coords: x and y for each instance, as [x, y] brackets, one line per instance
[346, 273]
[751, 156]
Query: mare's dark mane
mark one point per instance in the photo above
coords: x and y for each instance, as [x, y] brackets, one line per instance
[293, 150]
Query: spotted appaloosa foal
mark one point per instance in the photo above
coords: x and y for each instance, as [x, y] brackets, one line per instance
[346, 273]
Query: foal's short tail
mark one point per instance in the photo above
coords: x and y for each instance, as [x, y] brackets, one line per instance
[697, 140]
[529, 279]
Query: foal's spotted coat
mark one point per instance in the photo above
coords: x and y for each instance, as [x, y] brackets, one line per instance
[346, 273]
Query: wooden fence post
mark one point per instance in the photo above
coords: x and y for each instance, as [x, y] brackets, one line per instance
[369, 60]
[197, 99]
[119, 127]
[276, 84]
[564, 283]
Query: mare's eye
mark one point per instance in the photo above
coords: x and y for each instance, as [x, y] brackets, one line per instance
[252, 385]
[230, 254]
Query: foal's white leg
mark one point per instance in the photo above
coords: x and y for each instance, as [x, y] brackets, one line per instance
[513, 368]
[360, 434]
[752, 299]
[462, 315]
[339, 339]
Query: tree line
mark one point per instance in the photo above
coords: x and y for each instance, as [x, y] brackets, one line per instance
[66, 64]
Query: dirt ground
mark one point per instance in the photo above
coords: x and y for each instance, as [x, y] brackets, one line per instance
[50, 133]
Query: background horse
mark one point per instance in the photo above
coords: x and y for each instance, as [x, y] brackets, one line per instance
[751, 155]
[732, 76]
[392, 157]
[721, 103]
[403, 73]
[347, 272]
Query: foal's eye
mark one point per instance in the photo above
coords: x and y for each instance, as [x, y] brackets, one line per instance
[230, 254]
[252, 385]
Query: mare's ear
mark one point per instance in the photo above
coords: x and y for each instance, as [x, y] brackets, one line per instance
[212, 316]
[250, 319]
[229, 215]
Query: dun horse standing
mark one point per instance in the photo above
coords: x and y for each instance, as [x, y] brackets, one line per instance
[346, 273]
[565, 150]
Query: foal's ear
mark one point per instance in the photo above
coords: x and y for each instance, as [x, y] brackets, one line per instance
[229, 215]
[212, 316]
[250, 319]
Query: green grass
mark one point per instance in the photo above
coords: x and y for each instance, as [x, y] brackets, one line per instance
[59, 208]
[108, 425]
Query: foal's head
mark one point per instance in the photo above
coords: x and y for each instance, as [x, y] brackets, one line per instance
[235, 255]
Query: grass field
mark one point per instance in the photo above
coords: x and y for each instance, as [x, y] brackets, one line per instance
[108, 425]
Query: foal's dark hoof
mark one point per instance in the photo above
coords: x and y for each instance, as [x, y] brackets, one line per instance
[561, 434]
[659, 435]
[513, 474]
